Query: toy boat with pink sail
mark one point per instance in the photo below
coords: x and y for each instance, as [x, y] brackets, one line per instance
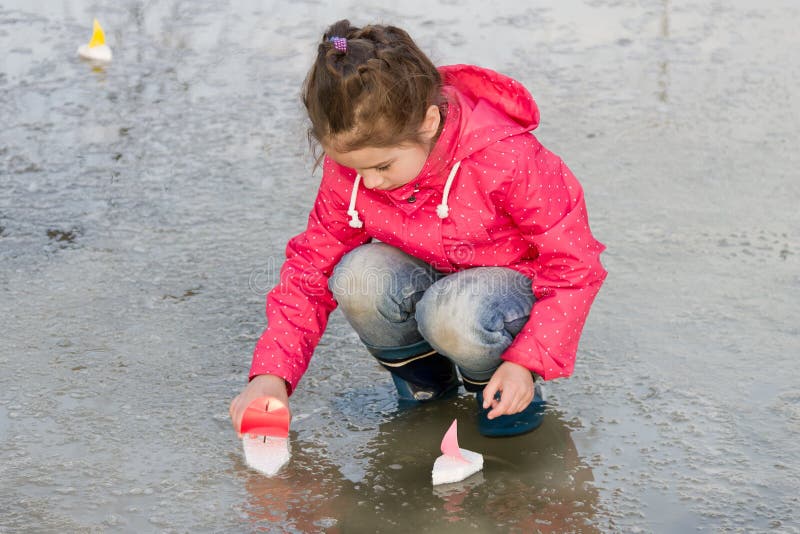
[455, 464]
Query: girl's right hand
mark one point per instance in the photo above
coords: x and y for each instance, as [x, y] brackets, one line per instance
[260, 386]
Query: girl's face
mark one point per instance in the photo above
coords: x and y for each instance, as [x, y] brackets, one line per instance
[386, 168]
[383, 168]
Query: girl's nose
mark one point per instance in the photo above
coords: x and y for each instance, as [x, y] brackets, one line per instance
[371, 180]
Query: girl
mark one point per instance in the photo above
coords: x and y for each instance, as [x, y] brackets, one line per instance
[454, 242]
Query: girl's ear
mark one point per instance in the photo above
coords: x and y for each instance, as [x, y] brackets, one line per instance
[430, 124]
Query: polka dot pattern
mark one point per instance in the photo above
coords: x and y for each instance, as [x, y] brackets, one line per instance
[513, 203]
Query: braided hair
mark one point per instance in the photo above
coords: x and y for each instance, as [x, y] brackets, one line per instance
[369, 86]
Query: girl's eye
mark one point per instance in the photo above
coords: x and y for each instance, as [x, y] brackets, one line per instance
[384, 168]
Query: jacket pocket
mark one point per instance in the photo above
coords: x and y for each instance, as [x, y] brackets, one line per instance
[463, 237]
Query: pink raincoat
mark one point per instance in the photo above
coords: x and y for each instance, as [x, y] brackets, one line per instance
[489, 194]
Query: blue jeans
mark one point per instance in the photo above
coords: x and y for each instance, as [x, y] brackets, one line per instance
[400, 306]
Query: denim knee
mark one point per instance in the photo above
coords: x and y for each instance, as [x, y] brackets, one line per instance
[473, 316]
[377, 288]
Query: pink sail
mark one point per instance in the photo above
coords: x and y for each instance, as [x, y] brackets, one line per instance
[450, 442]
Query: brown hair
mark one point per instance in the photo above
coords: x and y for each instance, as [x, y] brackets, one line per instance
[375, 93]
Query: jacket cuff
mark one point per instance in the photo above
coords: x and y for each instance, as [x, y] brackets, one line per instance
[289, 386]
[269, 360]
[539, 362]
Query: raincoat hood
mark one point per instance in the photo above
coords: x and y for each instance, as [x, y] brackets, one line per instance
[492, 106]
[482, 107]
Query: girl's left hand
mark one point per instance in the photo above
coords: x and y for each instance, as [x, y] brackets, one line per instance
[515, 384]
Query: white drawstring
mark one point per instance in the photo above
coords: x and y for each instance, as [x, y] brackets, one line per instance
[355, 222]
[442, 210]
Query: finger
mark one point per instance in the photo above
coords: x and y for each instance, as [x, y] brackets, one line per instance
[235, 421]
[502, 408]
[519, 406]
[528, 397]
[232, 413]
[236, 417]
[520, 403]
[489, 392]
[528, 400]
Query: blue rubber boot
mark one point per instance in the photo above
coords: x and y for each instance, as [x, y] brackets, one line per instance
[511, 425]
[419, 373]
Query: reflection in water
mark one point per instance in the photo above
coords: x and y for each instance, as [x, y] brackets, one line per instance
[663, 77]
[535, 482]
[303, 496]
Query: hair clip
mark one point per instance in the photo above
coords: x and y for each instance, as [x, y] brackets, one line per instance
[339, 43]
